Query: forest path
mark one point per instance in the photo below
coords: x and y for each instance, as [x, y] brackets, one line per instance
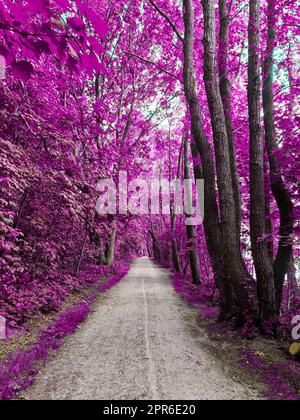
[140, 342]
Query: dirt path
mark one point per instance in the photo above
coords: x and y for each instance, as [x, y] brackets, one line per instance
[141, 342]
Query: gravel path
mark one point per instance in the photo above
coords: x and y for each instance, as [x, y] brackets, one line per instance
[140, 342]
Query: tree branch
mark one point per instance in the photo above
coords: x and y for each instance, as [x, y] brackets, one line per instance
[168, 20]
[153, 64]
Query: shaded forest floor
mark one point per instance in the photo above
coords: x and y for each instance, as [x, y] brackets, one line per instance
[260, 363]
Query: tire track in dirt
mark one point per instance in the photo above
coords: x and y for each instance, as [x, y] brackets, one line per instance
[140, 342]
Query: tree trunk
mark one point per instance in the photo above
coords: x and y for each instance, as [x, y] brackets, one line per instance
[191, 230]
[156, 250]
[110, 250]
[211, 218]
[20, 210]
[175, 257]
[97, 86]
[234, 264]
[293, 288]
[227, 299]
[262, 262]
[278, 186]
[225, 91]
[101, 256]
[96, 239]
[81, 252]
[269, 227]
[149, 250]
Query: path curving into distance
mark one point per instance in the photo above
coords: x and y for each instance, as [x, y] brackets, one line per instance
[140, 342]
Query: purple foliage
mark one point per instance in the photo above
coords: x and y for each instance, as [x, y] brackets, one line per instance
[191, 293]
[18, 373]
[281, 379]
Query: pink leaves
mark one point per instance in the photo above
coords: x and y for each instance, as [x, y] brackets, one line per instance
[22, 70]
[37, 6]
[76, 23]
[90, 62]
[38, 29]
[95, 45]
[65, 4]
[4, 182]
[7, 54]
[98, 23]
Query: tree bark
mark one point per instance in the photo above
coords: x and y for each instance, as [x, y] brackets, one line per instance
[101, 255]
[81, 253]
[225, 91]
[211, 218]
[234, 264]
[293, 288]
[191, 230]
[110, 250]
[278, 186]
[262, 262]
[269, 227]
[175, 257]
[213, 242]
[156, 250]
[20, 210]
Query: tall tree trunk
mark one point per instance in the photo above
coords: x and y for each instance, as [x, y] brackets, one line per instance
[156, 250]
[81, 252]
[293, 288]
[191, 230]
[175, 257]
[101, 256]
[149, 250]
[262, 262]
[95, 238]
[269, 226]
[222, 281]
[110, 250]
[225, 91]
[278, 186]
[234, 264]
[97, 86]
[20, 210]
[211, 218]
